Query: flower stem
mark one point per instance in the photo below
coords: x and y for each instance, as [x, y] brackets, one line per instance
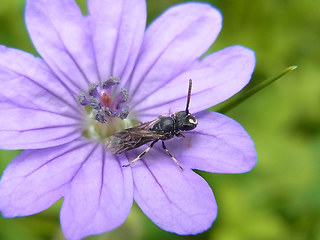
[239, 98]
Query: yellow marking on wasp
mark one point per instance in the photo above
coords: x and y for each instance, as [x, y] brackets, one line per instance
[192, 121]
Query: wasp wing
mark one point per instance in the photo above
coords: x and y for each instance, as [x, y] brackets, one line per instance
[131, 138]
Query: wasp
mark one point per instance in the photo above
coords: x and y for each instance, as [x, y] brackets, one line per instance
[162, 128]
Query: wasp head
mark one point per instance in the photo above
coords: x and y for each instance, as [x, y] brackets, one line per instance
[185, 121]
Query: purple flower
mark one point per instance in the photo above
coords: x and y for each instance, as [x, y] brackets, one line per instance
[102, 73]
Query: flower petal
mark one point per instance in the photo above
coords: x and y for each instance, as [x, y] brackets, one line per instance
[61, 35]
[216, 78]
[172, 43]
[36, 179]
[218, 144]
[99, 197]
[97, 192]
[36, 109]
[177, 201]
[118, 29]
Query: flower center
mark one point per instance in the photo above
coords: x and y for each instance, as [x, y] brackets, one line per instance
[106, 108]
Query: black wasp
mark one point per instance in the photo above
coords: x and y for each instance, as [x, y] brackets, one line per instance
[162, 128]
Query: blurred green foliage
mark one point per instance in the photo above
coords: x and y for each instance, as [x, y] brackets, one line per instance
[280, 198]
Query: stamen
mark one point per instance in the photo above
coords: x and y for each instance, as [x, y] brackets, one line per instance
[93, 89]
[99, 116]
[103, 106]
[108, 112]
[109, 82]
[95, 103]
[121, 98]
[81, 98]
[124, 114]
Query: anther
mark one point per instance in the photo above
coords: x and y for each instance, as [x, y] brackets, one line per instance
[121, 98]
[98, 115]
[81, 98]
[110, 82]
[108, 112]
[92, 90]
[125, 95]
[95, 103]
[124, 114]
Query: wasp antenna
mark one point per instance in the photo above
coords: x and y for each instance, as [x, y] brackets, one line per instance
[189, 95]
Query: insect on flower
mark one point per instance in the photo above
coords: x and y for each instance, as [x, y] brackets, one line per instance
[107, 72]
[162, 128]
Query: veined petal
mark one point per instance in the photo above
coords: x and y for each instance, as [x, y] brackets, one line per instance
[61, 35]
[28, 79]
[48, 130]
[172, 43]
[118, 29]
[36, 179]
[97, 192]
[216, 78]
[36, 108]
[99, 197]
[177, 201]
[218, 144]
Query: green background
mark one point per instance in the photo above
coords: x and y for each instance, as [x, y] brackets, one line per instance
[280, 198]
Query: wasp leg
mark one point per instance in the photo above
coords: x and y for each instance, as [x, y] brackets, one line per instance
[180, 134]
[140, 155]
[174, 159]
